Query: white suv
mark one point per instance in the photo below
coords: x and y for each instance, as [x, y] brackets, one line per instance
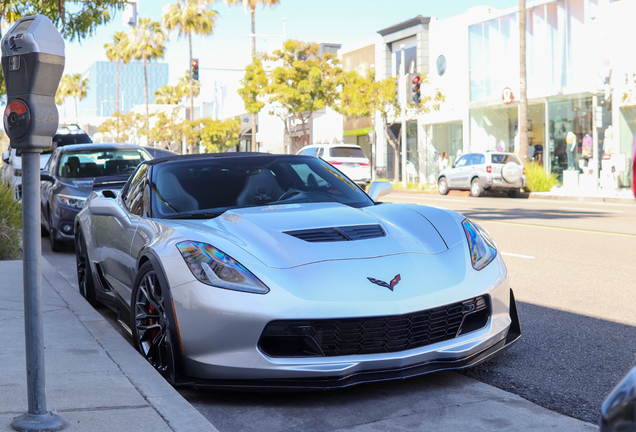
[347, 158]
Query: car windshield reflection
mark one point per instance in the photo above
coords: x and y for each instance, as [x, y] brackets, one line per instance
[208, 187]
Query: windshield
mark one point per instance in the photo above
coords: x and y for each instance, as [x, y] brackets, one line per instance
[99, 163]
[210, 186]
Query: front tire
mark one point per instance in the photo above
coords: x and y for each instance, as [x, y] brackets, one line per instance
[84, 273]
[442, 186]
[475, 188]
[151, 322]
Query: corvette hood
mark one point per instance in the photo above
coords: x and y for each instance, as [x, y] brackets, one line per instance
[263, 232]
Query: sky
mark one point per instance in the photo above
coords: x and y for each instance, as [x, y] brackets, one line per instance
[339, 21]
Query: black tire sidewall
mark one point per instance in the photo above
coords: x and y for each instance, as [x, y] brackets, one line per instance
[89, 284]
[167, 300]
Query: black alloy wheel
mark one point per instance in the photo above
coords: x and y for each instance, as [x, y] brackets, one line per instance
[84, 274]
[56, 245]
[150, 322]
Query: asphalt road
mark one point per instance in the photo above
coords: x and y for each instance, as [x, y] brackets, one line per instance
[573, 271]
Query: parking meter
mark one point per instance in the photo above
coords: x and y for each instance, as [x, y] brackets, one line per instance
[32, 63]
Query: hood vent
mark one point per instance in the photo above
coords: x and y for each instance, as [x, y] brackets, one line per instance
[345, 233]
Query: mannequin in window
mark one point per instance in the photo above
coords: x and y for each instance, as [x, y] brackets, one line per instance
[570, 147]
[608, 141]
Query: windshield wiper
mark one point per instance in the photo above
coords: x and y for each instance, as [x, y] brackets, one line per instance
[201, 215]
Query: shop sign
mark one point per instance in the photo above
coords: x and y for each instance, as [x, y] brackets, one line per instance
[506, 96]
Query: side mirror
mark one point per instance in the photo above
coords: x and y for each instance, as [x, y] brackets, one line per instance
[108, 207]
[45, 176]
[5, 156]
[379, 188]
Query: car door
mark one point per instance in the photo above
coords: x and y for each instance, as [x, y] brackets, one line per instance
[46, 186]
[457, 172]
[116, 240]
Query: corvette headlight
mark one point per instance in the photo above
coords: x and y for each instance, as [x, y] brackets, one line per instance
[481, 245]
[71, 201]
[214, 267]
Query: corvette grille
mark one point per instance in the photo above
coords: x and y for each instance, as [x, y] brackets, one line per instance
[374, 335]
[344, 233]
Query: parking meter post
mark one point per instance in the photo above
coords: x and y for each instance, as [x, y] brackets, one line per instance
[32, 65]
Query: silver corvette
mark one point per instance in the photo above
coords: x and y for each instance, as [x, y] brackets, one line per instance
[253, 270]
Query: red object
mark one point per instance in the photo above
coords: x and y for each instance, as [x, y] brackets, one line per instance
[524, 170]
[195, 62]
[335, 163]
[416, 79]
[365, 163]
[488, 169]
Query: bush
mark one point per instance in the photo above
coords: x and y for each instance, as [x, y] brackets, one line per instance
[538, 180]
[10, 224]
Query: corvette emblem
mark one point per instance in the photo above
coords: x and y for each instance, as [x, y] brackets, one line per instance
[390, 285]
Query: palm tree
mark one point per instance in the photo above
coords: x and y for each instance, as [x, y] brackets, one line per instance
[251, 6]
[188, 17]
[147, 43]
[120, 52]
[523, 100]
[76, 87]
[63, 92]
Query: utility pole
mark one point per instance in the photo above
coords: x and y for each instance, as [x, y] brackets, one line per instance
[404, 147]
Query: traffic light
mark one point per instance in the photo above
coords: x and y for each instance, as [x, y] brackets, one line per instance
[414, 80]
[194, 69]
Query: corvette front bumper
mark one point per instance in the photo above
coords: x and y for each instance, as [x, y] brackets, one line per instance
[219, 334]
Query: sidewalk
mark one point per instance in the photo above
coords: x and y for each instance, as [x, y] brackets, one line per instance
[94, 379]
[97, 382]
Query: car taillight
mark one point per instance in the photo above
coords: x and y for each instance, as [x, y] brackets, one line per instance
[365, 163]
[524, 170]
[335, 163]
[488, 168]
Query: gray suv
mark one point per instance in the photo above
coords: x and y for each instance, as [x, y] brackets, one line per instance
[484, 171]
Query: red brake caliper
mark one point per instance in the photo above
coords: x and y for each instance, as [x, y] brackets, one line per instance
[155, 332]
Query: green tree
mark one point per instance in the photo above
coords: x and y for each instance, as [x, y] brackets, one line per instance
[118, 51]
[167, 130]
[190, 17]
[72, 85]
[147, 41]
[250, 5]
[172, 95]
[124, 128]
[220, 135]
[364, 96]
[299, 80]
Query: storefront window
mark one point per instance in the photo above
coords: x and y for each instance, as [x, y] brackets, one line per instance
[493, 128]
[442, 138]
[410, 55]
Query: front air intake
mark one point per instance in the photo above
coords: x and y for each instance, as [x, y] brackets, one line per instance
[344, 233]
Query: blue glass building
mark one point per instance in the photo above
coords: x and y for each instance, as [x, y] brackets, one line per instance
[102, 82]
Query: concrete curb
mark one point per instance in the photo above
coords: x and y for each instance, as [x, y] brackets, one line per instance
[178, 414]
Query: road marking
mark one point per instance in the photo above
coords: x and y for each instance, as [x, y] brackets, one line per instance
[517, 255]
[590, 210]
[555, 228]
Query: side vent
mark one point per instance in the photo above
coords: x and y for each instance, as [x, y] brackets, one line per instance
[345, 233]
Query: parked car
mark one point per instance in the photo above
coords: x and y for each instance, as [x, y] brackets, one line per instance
[347, 158]
[157, 152]
[479, 172]
[263, 271]
[70, 175]
[12, 158]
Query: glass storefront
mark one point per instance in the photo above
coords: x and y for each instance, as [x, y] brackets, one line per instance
[570, 132]
[442, 138]
[627, 140]
[493, 128]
